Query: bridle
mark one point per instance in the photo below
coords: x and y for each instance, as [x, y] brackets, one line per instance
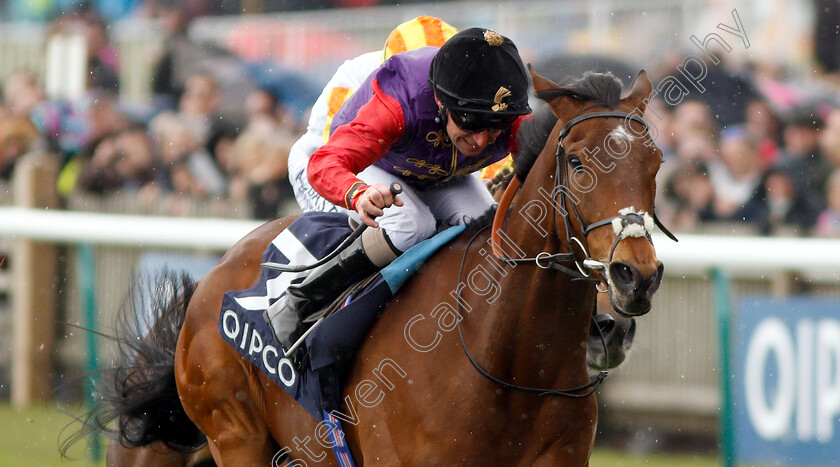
[587, 265]
[546, 260]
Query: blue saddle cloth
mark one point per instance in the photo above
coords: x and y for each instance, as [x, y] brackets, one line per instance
[330, 347]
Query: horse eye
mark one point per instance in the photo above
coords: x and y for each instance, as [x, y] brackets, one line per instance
[575, 162]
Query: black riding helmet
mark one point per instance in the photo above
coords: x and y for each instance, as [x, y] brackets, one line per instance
[479, 77]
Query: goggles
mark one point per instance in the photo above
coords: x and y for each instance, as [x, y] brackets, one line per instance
[474, 122]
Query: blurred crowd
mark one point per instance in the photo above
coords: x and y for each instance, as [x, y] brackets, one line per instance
[751, 150]
[184, 146]
[759, 149]
[29, 10]
[775, 173]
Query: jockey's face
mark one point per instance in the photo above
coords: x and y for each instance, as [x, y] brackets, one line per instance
[470, 143]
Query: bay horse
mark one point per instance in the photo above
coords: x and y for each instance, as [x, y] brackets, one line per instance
[511, 386]
[123, 449]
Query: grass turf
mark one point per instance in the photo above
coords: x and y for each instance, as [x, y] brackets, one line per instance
[31, 437]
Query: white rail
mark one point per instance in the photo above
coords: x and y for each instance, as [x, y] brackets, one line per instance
[749, 253]
[692, 251]
[123, 230]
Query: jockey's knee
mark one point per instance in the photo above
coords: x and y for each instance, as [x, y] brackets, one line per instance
[405, 231]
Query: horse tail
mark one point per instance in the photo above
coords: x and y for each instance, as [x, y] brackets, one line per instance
[138, 394]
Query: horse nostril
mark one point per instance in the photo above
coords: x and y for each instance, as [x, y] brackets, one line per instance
[656, 279]
[622, 274]
[604, 322]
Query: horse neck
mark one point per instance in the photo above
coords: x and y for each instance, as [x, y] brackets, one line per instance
[539, 309]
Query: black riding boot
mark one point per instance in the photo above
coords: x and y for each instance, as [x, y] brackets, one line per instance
[323, 284]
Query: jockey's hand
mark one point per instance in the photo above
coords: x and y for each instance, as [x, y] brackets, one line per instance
[373, 201]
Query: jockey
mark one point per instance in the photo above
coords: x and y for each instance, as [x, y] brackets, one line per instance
[425, 119]
[418, 32]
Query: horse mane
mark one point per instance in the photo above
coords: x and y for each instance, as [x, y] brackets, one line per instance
[483, 221]
[602, 88]
[531, 138]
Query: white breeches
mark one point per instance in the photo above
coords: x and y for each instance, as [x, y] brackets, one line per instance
[451, 203]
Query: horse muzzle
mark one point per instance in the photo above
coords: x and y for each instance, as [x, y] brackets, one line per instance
[630, 289]
[618, 341]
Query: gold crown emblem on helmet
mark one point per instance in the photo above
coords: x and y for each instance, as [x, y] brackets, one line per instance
[493, 38]
[501, 94]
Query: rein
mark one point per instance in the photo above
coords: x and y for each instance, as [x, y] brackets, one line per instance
[574, 393]
[552, 260]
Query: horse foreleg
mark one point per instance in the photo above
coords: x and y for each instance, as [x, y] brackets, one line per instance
[237, 439]
[216, 394]
[232, 421]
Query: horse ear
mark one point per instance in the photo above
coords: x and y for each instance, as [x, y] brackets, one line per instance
[541, 83]
[640, 91]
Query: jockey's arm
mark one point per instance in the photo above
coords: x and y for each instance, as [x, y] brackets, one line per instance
[353, 147]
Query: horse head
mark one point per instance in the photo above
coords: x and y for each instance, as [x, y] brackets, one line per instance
[604, 164]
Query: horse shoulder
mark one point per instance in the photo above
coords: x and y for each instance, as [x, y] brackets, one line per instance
[397, 364]
[221, 392]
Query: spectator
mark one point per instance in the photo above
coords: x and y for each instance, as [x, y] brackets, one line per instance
[684, 168]
[762, 125]
[196, 109]
[697, 146]
[801, 157]
[63, 125]
[259, 170]
[829, 139]
[826, 40]
[692, 115]
[261, 106]
[828, 223]
[182, 139]
[17, 136]
[735, 175]
[660, 118]
[67, 126]
[103, 63]
[220, 146]
[97, 119]
[102, 115]
[777, 204]
[22, 92]
[187, 168]
[120, 162]
[688, 196]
